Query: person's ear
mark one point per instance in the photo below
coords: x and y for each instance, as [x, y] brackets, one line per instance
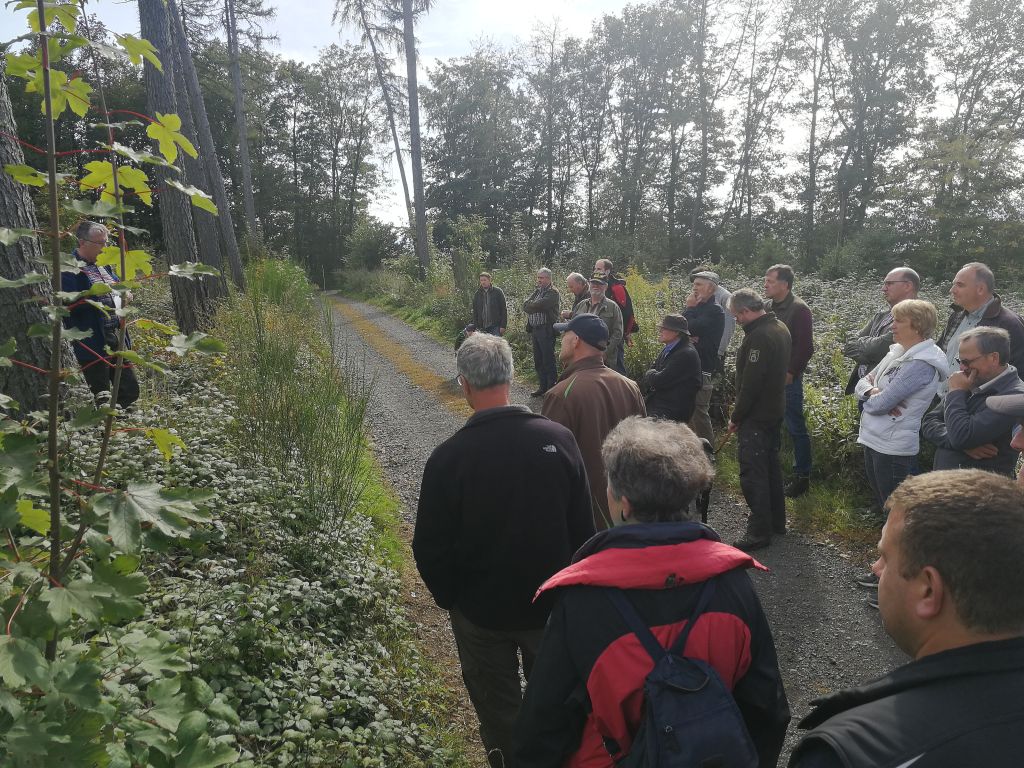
[930, 593]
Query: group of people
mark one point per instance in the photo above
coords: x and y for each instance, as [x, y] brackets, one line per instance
[595, 494]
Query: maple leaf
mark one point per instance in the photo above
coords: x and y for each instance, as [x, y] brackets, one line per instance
[134, 261]
[101, 176]
[166, 132]
[199, 198]
[139, 49]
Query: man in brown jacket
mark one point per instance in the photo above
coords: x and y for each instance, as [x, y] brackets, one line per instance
[590, 399]
[761, 367]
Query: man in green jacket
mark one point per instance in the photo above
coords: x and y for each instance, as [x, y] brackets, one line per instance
[599, 304]
[761, 367]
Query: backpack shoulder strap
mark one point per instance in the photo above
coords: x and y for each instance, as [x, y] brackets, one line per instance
[639, 627]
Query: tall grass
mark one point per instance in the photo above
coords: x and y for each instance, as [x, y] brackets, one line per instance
[301, 406]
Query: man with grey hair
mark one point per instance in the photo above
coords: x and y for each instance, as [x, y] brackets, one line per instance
[503, 505]
[761, 368]
[965, 431]
[541, 310]
[951, 595]
[103, 326]
[871, 343]
[579, 291]
[976, 304]
[583, 703]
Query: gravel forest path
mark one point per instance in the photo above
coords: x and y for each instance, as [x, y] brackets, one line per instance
[827, 637]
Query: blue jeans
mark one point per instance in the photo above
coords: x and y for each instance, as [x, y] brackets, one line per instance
[885, 472]
[797, 427]
[620, 361]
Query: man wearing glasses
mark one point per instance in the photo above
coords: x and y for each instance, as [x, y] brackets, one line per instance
[966, 432]
[871, 343]
[101, 325]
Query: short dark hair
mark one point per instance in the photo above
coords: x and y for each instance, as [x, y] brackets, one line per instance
[969, 526]
[660, 466]
[607, 262]
[746, 298]
[484, 274]
[990, 339]
[783, 272]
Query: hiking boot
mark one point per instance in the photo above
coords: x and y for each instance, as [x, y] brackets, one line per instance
[867, 580]
[798, 486]
[538, 393]
[750, 543]
[872, 600]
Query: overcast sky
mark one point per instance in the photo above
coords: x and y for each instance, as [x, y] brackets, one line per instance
[450, 29]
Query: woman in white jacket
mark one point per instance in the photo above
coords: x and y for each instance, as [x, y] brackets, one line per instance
[896, 395]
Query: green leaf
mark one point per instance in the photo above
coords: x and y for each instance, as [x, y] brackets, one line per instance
[189, 269]
[145, 324]
[32, 517]
[32, 278]
[9, 516]
[9, 236]
[223, 711]
[133, 357]
[65, 13]
[26, 174]
[7, 349]
[127, 584]
[101, 209]
[139, 49]
[6, 401]
[199, 198]
[145, 504]
[101, 177]
[196, 342]
[192, 726]
[166, 132]
[165, 440]
[135, 261]
[21, 662]
[205, 753]
[201, 691]
[76, 93]
[24, 65]
[79, 598]
[85, 418]
[18, 459]
[140, 157]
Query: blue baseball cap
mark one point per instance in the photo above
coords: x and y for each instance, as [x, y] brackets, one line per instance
[590, 328]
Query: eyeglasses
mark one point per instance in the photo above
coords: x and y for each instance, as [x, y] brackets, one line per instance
[968, 363]
[893, 282]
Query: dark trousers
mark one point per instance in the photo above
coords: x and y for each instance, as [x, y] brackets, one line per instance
[796, 425]
[761, 479]
[544, 355]
[494, 330]
[100, 376]
[490, 669]
[885, 472]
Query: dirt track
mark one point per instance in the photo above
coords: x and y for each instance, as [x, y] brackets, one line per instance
[827, 638]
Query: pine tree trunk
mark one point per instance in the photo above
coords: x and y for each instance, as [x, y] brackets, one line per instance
[207, 149]
[240, 121]
[20, 307]
[193, 307]
[422, 251]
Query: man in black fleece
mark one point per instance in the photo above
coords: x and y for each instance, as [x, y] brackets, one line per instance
[504, 504]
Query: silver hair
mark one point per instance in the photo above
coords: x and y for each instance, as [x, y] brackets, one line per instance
[910, 276]
[746, 298]
[85, 229]
[990, 339]
[544, 271]
[982, 274]
[485, 361]
[577, 277]
[660, 466]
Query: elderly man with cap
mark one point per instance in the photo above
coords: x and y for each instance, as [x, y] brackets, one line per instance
[590, 399]
[599, 304]
[722, 296]
[670, 387]
[707, 325]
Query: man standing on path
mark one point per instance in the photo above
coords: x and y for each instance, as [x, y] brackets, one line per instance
[672, 386]
[976, 303]
[486, 539]
[951, 594]
[599, 304]
[707, 324]
[490, 313]
[618, 293]
[590, 399]
[541, 310]
[796, 315]
[871, 343]
[722, 296]
[97, 365]
[579, 290]
[966, 432]
[761, 365]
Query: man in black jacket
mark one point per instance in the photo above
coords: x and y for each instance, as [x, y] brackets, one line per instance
[503, 505]
[707, 324]
[670, 387]
[490, 313]
[761, 367]
[951, 594]
[541, 310]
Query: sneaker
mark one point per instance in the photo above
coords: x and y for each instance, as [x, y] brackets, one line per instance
[749, 543]
[867, 580]
[872, 600]
[798, 486]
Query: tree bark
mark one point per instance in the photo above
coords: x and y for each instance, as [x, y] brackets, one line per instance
[422, 251]
[193, 307]
[21, 307]
[207, 149]
[241, 125]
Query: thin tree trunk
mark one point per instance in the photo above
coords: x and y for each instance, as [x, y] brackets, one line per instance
[414, 130]
[207, 149]
[240, 122]
[192, 305]
[20, 307]
[702, 171]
